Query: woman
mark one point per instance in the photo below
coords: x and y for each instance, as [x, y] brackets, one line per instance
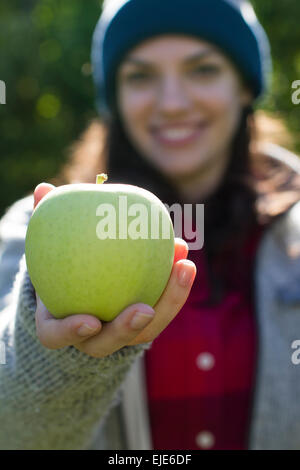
[176, 90]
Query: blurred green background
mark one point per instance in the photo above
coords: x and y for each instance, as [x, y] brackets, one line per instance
[45, 63]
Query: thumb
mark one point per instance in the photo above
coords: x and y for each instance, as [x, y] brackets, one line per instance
[40, 191]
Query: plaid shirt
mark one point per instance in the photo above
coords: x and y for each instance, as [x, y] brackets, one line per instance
[200, 371]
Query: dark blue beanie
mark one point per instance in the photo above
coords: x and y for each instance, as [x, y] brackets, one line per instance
[230, 24]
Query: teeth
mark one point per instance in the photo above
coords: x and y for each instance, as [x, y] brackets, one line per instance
[176, 134]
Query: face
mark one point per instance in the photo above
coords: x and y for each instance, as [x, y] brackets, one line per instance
[180, 100]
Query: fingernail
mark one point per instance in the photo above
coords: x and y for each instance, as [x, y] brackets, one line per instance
[40, 184]
[85, 330]
[140, 320]
[186, 273]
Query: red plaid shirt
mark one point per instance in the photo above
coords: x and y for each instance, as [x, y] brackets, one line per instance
[200, 370]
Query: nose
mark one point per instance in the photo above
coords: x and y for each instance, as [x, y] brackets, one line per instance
[172, 97]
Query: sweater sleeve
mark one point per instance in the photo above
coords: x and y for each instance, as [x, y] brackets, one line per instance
[49, 399]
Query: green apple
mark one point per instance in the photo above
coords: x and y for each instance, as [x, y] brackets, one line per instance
[98, 248]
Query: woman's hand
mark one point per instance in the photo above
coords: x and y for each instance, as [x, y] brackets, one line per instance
[138, 323]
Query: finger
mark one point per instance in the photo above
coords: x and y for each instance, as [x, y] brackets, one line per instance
[171, 302]
[40, 191]
[119, 332]
[56, 333]
[181, 250]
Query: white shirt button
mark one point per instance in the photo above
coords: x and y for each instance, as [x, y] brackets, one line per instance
[205, 440]
[205, 361]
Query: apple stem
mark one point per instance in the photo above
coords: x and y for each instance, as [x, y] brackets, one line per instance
[101, 178]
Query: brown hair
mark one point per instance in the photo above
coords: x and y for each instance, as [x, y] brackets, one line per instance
[256, 188]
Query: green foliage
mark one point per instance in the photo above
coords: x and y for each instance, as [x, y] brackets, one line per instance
[281, 22]
[45, 63]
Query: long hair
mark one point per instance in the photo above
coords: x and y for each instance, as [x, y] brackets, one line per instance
[256, 189]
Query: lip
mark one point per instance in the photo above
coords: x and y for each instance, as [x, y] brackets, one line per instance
[196, 132]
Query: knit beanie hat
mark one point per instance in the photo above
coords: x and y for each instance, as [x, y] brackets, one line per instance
[230, 24]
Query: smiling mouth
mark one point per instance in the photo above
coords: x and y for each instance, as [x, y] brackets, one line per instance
[178, 136]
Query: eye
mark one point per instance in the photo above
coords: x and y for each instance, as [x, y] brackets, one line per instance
[138, 76]
[206, 70]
